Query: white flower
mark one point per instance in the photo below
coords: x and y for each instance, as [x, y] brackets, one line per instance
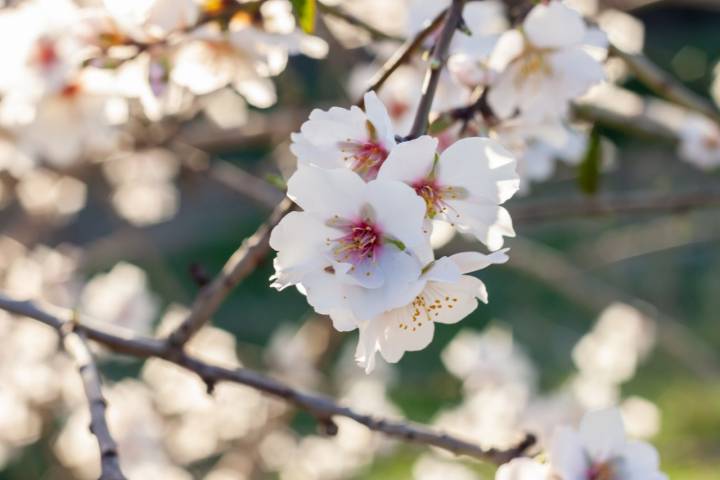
[544, 65]
[464, 185]
[357, 247]
[523, 469]
[700, 142]
[449, 295]
[470, 54]
[337, 138]
[600, 451]
[152, 20]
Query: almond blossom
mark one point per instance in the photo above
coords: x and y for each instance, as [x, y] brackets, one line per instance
[449, 295]
[700, 142]
[464, 185]
[599, 451]
[356, 247]
[543, 65]
[351, 138]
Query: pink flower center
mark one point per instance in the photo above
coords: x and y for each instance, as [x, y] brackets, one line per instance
[601, 471]
[45, 54]
[364, 158]
[361, 242]
[431, 192]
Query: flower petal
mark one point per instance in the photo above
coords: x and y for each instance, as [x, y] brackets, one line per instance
[326, 193]
[554, 25]
[378, 115]
[603, 434]
[410, 161]
[567, 456]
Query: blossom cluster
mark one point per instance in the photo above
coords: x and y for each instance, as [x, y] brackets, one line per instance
[360, 250]
[83, 80]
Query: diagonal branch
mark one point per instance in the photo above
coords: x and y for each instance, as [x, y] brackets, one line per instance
[322, 408]
[241, 264]
[75, 344]
[403, 54]
[436, 64]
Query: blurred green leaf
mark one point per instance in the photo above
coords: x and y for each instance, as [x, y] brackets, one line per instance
[589, 168]
[305, 12]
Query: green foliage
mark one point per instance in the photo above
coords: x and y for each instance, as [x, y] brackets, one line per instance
[305, 11]
[589, 169]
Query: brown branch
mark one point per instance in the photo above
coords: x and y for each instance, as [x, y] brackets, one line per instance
[623, 204]
[403, 54]
[334, 11]
[435, 66]
[322, 408]
[75, 344]
[241, 264]
[665, 85]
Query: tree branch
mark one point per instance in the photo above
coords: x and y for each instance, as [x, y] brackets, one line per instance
[334, 11]
[241, 264]
[76, 346]
[322, 408]
[436, 64]
[629, 203]
[403, 54]
[664, 84]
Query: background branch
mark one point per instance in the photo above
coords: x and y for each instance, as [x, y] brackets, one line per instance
[76, 346]
[436, 64]
[322, 408]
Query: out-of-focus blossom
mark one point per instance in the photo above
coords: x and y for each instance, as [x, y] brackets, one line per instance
[599, 450]
[623, 30]
[641, 417]
[45, 193]
[135, 426]
[449, 295]
[463, 186]
[470, 54]
[121, 297]
[523, 469]
[143, 181]
[700, 142]
[490, 358]
[543, 66]
[342, 138]
[428, 467]
[151, 20]
[293, 353]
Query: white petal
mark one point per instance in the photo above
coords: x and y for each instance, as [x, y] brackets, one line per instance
[378, 115]
[567, 456]
[367, 346]
[451, 302]
[481, 166]
[489, 223]
[473, 261]
[503, 97]
[603, 434]
[404, 332]
[508, 47]
[326, 193]
[576, 71]
[443, 270]
[299, 240]
[258, 91]
[554, 26]
[523, 469]
[640, 460]
[400, 214]
[410, 161]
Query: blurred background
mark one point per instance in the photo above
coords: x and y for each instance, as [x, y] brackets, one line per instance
[590, 311]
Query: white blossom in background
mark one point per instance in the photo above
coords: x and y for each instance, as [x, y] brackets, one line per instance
[523, 469]
[47, 194]
[700, 142]
[136, 427]
[543, 66]
[121, 297]
[489, 358]
[354, 139]
[463, 186]
[449, 296]
[599, 450]
[357, 247]
[469, 55]
[429, 467]
[144, 192]
[153, 20]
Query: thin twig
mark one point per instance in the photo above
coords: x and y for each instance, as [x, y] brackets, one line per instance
[241, 264]
[403, 54]
[436, 64]
[621, 204]
[322, 408]
[663, 84]
[334, 11]
[75, 344]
